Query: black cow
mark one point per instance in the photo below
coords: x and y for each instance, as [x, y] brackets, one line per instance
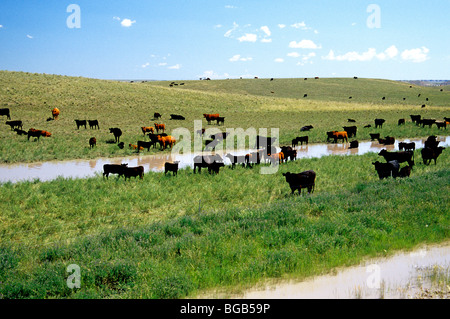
[428, 122]
[15, 124]
[388, 140]
[289, 152]
[351, 120]
[403, 146]
[388, 169]
[431, 142]
[92, 142]
[429, 154]
[176, 117]
[220, 119]
[156, 116]
[306, 179]
[415, 118]
[214, 167]
[5, 112]
[441, 124]
[253, 158]
[20, 132]
[129, 172]
[402, 156]
[80, 123]
[202, 161]
[404, 171]
[351, 130]
[144, 144]
[171, 167]
[401, 121]
[354, 144]
[93, 124]
[117, 133]
[301, 140]
[306, 128]
[379, 123]
[113, 169]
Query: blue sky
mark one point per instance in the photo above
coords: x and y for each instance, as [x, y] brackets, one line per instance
[192, 39]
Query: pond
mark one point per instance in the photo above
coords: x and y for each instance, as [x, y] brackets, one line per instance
[45, 171]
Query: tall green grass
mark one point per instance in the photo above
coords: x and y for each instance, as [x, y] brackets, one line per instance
[152, 239]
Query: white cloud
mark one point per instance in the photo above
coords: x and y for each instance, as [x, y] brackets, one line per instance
[370, 54]
[230, 7]
[248, 37]
[145, 65]
[265, 40]
[293, 54]
[127, 23]
[279, 60]
[416, 55]
[116, 18]
[300, 25]
[282, 26]
[238, 57]
[175, 67]
[266, 30]
[228, 33]
[218, 26]
[213, 75]
[1, 26]
[304, 44]
[29, 36]
[162, 64]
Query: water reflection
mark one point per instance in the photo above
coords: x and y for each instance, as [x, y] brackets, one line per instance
[86, 168]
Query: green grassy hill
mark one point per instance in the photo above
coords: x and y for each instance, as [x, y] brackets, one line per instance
[243, 103]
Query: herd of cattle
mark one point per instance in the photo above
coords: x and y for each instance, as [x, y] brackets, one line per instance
[265, 151]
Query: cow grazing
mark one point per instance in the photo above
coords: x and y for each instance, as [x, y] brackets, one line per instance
[441, 124]
[156, 115]
[165, 141]
[171, 167]
[429, 154]
[351, 120]
[301, 180]
[80, 123]
[306, 128]
[234, 159]
[428, 122]
[404, 171]
[5, 112]
[160, 127]
[401, 156]
[388, 169]
[20, 132]
[177, 117]
[141, 145]
[15, 124]
[340, 136]
[379, 123]
[92, 142]
[93, 124]
[354, 144]
[220, 119]
[34, 133]
[374, 136]
[117, 133]
[351, 130]
[301, 140]
[202, 161]
[129, 172]
[401, 121]
[367, 126]
[113, 169]
[305, 95]
[214, 167]
[210, 117]
[147, 129]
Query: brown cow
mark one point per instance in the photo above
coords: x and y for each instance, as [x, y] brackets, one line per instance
[340, 136]
[147, 129]
[92, 142]
[165, 141]
[160, 127]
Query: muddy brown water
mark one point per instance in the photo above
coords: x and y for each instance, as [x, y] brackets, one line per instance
[401, 276]
[45, 171]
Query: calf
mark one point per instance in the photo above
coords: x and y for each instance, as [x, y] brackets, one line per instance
[171, 167]
[147, 129]
[80, 123]
[298, 181]
[92, 142]
[160, 127]
[379, 123]
[117, 133]
[129, 172]
[415, 118]
[93, 124]
[214, 167]
[404, 171]
[220, 119]
[388, 169]
[5, 112]
[156, 115]
[113, 169]
[14, 124]
[403, 156]
[135, 147]
[441, 124]
[429, 154]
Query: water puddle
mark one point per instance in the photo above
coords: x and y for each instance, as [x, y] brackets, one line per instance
[46, 171]
[399, 277]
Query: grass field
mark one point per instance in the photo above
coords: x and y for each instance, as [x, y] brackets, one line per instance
[175, 237]
[244, 104]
